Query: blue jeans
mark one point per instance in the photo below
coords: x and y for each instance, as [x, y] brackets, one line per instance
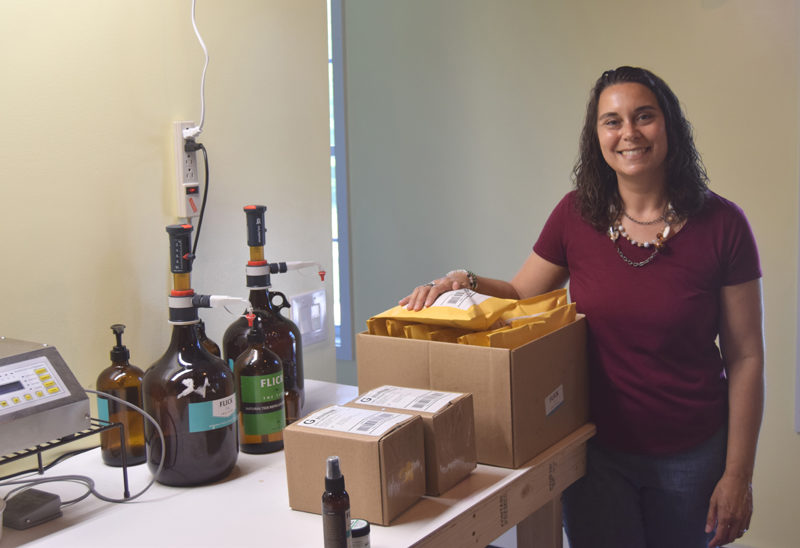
[641, 501]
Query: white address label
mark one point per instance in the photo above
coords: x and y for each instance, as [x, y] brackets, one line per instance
[463, 299]
[413, 399]
[353, 420]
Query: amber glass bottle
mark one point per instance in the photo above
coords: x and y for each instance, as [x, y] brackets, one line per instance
[259, 392]
[189, 391]
[123, 380]
[335, 508]
[280, 337]
[207, 343]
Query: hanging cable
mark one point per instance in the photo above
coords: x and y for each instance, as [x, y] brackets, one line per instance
[190, 145]
[192, 132]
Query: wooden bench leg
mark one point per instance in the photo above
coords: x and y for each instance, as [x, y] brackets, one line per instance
[542, 529]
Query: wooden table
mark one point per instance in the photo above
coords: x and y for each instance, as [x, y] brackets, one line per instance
[251, 508]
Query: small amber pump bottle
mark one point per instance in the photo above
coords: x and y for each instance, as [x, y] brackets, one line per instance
[335, 507]
[123, 380]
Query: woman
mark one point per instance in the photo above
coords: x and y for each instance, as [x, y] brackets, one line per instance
[661, 266]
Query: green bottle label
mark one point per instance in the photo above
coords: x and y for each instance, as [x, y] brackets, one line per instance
[262, 404]
[210, 415]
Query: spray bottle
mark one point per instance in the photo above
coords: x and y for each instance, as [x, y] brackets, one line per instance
[335, 507]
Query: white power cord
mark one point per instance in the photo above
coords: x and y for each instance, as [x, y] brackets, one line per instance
[192, 132]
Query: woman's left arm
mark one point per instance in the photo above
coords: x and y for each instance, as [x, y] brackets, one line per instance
[742, 345]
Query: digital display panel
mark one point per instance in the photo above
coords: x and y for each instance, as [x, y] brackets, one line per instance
[10, 387]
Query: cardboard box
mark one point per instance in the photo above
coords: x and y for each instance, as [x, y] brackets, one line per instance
[381, 454]
[449, 425]
[525, 399]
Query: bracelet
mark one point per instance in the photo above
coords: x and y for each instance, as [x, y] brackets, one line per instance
[472, 278]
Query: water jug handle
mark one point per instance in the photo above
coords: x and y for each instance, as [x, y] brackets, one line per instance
[284, 302]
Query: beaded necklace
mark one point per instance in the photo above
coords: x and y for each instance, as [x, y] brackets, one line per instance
[616, 230]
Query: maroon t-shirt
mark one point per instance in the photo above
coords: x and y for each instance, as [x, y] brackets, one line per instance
[657, 382]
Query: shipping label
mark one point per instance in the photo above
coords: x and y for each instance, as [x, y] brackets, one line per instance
[462, 299]
[412, 399]
[353, 420]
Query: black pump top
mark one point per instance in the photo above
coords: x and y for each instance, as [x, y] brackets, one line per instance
[256, 332]
[120, 352]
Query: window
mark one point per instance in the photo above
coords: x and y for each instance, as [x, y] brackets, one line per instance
[339, 214]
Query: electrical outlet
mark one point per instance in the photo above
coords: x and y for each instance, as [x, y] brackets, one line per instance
[186, 178]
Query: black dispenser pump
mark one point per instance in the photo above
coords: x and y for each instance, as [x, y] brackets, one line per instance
[124, 446]
[120, 352]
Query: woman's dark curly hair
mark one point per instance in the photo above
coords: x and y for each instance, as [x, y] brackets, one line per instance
[599, 201]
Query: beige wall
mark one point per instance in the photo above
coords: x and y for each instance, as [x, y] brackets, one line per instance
[463, 118]
[89, 91]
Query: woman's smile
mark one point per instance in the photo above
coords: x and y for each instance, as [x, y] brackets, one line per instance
[632, 133]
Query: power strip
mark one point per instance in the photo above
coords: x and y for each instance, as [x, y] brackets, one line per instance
[186, 177]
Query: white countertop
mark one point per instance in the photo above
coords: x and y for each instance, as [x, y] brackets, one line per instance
[251, 508]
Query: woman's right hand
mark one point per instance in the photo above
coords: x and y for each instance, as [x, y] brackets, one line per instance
[536, 276]
[425, 295]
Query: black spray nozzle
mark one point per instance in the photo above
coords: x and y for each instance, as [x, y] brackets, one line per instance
[180, 248]
[255, 225]
[334, 480]
[120, 352]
